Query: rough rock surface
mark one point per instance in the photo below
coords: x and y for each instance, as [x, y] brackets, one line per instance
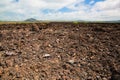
[59, 51]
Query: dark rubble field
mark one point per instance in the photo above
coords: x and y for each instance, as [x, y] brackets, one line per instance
[60, 51]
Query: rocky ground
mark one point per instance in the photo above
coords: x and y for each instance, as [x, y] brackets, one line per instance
[60, 51]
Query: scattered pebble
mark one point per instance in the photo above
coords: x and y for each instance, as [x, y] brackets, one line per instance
[71, 61]
[57, 40]
[10, 53]
[33, 39]
[105, 79]
[77, 29]
[98, 77]
[46, 55]
[50, 45]
[89, 78]
[0, 44]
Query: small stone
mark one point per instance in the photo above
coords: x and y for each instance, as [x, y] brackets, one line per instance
[71, 61]
[8, 53]
[33, 39]
[89, 35]
[50, 45]
[98, 77]
[18, 75]
[9, 63]
[1, 53]
[89, 78]
[85, 73]
[16, 67]
[84, 59]
[0, 44]
[117, 45]
[1, 70]
[77, 29]
[57, 40]
[105, 79]
[46, 55]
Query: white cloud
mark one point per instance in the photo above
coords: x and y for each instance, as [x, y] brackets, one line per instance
[103, 10]
[43, 4]
[107, 5]
[106, 10]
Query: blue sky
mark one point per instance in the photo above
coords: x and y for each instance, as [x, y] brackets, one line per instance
[70, 10]
[94, 1]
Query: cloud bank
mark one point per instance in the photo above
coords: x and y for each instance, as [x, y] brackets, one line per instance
[89, 10]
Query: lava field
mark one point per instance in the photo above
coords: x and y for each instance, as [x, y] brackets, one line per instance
[60, 51]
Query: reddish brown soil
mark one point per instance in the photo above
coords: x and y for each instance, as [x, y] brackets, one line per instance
[59, 51]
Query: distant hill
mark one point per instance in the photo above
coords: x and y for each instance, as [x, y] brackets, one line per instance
[116, 21]
[31, 20]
